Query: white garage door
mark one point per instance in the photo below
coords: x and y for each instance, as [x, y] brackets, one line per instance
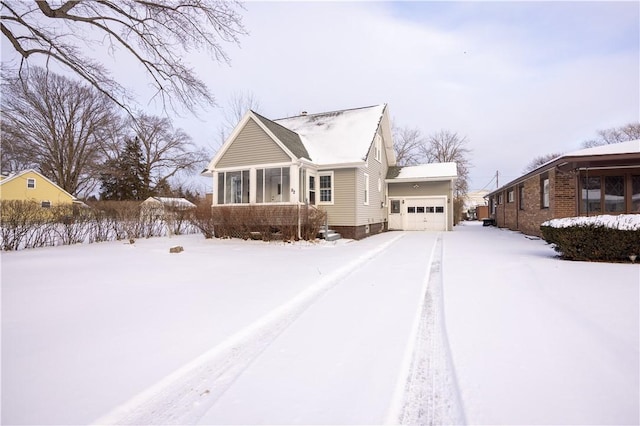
[425, 214]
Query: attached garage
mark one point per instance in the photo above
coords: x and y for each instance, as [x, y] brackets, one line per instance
[421, 197]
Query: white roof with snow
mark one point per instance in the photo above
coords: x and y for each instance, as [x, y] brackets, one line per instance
[628, 147]
[429, 171]
[339, 136]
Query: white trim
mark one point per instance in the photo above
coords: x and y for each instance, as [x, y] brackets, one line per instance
[319, 193]
[356, 164]
[249, 115]
[255, 166]
[22, 173]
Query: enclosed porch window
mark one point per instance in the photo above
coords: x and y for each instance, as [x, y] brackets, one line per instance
[273, 185]
[233, 187]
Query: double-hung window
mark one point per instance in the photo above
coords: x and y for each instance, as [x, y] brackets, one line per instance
[326, 187]
[31, 183]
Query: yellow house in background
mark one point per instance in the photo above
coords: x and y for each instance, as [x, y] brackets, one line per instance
[30, 185]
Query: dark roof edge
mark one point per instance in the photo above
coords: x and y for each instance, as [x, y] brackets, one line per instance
[555, 162]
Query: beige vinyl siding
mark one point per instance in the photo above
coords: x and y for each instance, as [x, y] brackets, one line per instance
[341, 212]
[252, 146]
[424, 189]
[372, 213]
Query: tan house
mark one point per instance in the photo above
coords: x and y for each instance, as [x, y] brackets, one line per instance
[30, 185]
[588, 182]
[341, 162]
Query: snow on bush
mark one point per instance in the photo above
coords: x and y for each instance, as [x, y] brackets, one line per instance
[626, 222]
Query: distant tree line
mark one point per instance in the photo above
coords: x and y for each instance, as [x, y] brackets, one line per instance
[78, 138]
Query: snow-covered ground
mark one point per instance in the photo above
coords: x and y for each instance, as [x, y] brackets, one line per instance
[235, 331]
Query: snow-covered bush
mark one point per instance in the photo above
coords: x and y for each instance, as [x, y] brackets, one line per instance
[604, 237]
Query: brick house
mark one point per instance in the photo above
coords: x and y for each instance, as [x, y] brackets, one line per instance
[592, 181]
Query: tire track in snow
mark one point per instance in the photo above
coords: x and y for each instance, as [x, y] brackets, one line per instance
[187, 394]
[427, 393]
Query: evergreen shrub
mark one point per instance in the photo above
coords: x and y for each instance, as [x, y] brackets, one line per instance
[593, 241]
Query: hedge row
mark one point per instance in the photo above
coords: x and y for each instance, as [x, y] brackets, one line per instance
[593, 242]
[288, 223]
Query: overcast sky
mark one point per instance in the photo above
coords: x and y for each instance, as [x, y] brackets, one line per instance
[517, 79]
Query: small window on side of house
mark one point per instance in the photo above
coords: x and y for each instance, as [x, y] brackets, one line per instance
[45, 204]
[500, 199]
[326, 187]
[31, 183]
[544, 191]
[510, 198]
[366, 189]
[378, 148]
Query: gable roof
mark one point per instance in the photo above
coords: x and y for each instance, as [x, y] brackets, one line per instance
[431, 171]
[623, 151]
[336, 137]
[289, 138]
[18, 175]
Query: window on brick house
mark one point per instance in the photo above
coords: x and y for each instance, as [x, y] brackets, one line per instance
[635, 194]
[510, 196]
[614, 194]
[590, 195]
[500, 199]
[521, 197]
[544, 191]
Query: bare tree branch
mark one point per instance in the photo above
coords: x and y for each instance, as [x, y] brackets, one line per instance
[406, 144]
[540, 160]
[444, 147]
[157, 34]
[628, 132]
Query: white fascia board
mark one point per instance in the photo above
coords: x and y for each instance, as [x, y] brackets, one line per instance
[356, 164]
[430, 179]
[236, 131]
[24, 172]
[229, 140]
[256, 166]
[387, 137]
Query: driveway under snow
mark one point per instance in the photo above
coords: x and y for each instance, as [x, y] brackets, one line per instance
[248, 332]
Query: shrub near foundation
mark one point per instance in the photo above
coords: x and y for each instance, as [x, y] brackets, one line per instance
[599, 239]
[266, 222]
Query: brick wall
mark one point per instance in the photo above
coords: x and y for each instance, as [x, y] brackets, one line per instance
[562, 203]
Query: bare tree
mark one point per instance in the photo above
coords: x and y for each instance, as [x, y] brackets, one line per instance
[540, 160]
[628, 132]
[56, 125]
[237, 107]
[444, 147]
[156, 34]
[407, 143]
[166, 152]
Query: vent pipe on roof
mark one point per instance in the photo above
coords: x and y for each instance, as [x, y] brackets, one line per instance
[303, 113]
